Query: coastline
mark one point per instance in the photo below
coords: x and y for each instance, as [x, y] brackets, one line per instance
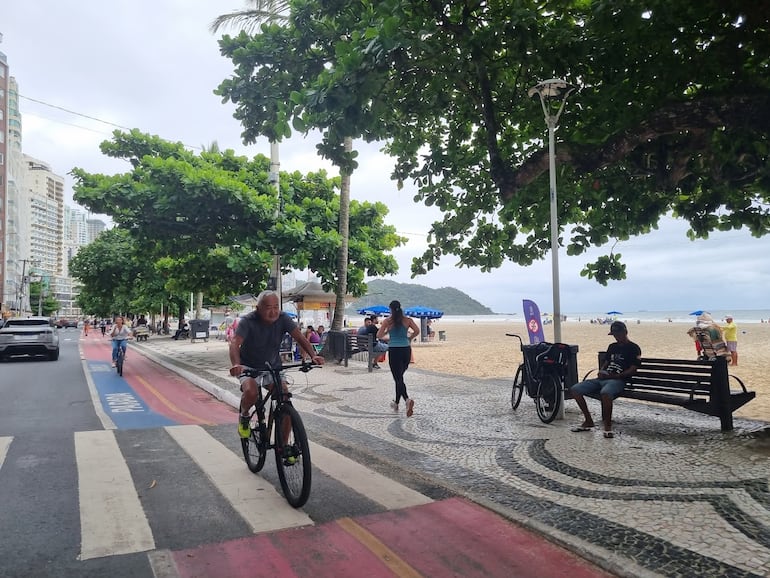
[479, 348]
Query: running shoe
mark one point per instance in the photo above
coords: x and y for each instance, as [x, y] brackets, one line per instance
[409, 407]
[290, 454]
[244, 429]
[394, 406]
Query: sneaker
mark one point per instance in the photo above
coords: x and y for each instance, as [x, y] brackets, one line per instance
[244, 429]
[375, 366]
[113, 364]
[290, 454]
[394, 406]
[409, 407]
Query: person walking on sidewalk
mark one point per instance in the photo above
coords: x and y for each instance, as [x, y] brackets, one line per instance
[397, 327]
[257, 341]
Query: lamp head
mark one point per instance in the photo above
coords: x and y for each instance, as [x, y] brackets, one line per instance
[552, 88]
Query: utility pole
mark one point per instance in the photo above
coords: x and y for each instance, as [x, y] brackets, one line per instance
[20, 289]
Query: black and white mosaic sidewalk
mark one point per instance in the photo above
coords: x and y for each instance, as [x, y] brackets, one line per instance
[670, 495]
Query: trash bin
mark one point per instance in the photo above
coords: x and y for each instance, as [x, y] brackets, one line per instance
[442, 335]
[199, 329]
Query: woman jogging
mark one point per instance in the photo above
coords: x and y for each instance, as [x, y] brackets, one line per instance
[397, 327]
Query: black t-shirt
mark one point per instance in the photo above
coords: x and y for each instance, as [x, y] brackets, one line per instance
[262, 342]
[621, 356]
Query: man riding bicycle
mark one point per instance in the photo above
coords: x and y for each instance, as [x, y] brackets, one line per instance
[258, 341]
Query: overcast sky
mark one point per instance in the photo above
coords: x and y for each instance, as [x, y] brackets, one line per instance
[154, 65]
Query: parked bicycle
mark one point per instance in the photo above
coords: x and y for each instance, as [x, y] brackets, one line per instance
[543, 372]
[284, 425]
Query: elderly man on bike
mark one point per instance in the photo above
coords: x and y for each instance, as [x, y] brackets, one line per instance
[258, 341]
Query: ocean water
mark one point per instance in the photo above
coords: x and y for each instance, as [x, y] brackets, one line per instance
[678, 316]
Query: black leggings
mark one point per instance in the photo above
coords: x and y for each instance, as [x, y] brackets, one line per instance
[399, 358]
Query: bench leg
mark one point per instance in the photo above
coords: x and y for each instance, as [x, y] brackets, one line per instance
[726, 419]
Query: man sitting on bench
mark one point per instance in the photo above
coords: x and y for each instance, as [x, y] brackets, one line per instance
[622, 360]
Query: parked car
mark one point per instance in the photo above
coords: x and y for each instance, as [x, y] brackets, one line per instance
[29, 336]
[63, 323]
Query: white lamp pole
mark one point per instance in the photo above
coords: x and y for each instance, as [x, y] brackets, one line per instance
[553, 91]
[275, 270]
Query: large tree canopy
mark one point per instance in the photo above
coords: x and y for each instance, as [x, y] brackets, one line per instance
[211, 222]
[672, 116]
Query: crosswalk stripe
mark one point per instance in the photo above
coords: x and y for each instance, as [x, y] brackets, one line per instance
[5, 443]
[112, 519]
[366, 482]
[254, 498]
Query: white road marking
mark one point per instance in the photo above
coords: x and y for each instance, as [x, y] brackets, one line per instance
[365, 481]
[254, 498]
[112, 520]
[5, 443]
[106, 420]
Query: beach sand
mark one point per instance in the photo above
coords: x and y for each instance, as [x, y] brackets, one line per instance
[482, 349]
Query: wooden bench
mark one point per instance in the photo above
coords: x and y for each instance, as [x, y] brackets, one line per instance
[361, 346]
[701, 385]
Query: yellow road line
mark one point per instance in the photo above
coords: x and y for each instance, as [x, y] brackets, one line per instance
[171, 406]
[388, 557]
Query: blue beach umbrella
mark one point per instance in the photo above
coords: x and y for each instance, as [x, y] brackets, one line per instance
[614, 313]
[423, 312]
[375, 310]
[698, 312]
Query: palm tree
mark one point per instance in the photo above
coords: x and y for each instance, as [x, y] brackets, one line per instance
[247, 20]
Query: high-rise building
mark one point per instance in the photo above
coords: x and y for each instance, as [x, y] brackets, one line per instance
[4, 86]
[45, 191]
[95, 226]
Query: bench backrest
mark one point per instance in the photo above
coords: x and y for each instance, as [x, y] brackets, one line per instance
[695, 377]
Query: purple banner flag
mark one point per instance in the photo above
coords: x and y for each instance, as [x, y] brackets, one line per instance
[534, 325]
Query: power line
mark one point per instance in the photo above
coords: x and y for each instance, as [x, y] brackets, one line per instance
[73, 112]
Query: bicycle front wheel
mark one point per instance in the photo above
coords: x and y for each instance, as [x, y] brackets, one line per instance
[119, 363]
[518, 388]
[292, 456]
[548, 398]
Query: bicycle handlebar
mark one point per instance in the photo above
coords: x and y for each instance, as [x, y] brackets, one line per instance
[304, 367]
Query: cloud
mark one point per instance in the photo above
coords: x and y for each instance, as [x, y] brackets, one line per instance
[155, 65]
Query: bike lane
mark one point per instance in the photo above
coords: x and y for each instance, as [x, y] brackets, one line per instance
[452, 537]
[148, 395]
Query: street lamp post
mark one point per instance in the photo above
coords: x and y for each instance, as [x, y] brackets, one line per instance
[275, 270]
[553, 95]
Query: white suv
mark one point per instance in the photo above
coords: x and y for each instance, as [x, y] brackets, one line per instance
[29, 336]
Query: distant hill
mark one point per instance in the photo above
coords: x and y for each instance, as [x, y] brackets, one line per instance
[447, 299]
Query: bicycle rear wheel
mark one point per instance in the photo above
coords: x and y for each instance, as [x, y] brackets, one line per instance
[255, 446]
[548, 398]
[292, 456]
[518, 388]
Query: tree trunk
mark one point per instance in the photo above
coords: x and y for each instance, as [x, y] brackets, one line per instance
[198, 304]
[342, 257]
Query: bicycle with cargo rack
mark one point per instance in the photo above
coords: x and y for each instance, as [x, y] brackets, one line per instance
[543, 373]
[272, 416]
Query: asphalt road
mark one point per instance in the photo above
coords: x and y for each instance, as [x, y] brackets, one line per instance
[143, 476]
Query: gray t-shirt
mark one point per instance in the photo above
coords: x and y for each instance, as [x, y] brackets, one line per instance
[262, 342]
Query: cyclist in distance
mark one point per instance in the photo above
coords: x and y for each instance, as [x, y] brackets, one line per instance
[119, 335]
[257, 341]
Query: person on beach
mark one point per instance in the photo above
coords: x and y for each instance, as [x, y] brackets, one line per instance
[730, 331]
[708, 337]
[258, 340]
[400, 330]
[621, 362]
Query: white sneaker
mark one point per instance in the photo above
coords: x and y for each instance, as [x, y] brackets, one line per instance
[394, 406]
